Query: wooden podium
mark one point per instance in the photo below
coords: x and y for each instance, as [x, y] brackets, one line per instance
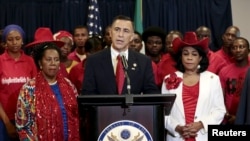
[99, 111]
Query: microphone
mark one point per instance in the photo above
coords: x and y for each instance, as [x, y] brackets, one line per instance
[125, 67]
[124, 62]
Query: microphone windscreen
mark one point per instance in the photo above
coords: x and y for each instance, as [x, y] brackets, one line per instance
[124, 60]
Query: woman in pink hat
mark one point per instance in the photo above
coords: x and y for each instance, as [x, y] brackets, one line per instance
[47, 108]
[67, 38]
[16, 69]
[199, 97]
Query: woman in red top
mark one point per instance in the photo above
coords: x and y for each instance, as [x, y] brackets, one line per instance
[16, 69]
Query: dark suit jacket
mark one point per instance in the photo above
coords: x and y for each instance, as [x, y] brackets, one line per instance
[99, 77]
[243, 112]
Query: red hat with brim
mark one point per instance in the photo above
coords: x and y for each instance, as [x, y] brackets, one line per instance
[190, 39]
[44, 35]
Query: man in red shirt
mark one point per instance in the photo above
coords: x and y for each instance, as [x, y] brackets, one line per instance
[80, 37]
[228, 37]
[216, 62]
[233, 76]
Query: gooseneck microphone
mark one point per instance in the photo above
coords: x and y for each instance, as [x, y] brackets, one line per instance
[125, 67]
[124, 62]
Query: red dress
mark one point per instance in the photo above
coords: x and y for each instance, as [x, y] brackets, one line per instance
[190, 96]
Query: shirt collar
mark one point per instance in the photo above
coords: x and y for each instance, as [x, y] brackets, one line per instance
[114, 53]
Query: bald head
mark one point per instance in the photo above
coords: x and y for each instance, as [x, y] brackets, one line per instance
[203, 32]
[229, 36]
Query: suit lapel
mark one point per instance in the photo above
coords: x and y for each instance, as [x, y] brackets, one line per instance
[203, 90]
[133, 66]
[107, 69]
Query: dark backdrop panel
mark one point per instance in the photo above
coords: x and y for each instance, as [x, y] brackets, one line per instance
[187, 15]
[111, 8]
[55, 14]
[182, 15]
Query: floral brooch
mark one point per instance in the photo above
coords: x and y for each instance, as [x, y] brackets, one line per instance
[172, 82]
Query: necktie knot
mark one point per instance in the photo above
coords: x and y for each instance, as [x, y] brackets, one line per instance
[118, 57]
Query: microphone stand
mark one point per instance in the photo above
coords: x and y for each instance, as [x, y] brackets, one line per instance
[128, 97]
[128, 81]
[129, 100]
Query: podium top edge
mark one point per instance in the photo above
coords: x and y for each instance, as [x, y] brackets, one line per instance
[124, 95]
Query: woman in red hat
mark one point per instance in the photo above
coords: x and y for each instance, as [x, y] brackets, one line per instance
[16, 69]
[199, 97]
[47, 108]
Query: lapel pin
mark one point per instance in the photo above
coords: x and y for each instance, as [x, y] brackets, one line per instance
[134, 65]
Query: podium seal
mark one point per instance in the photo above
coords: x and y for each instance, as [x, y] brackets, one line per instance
[125, 130]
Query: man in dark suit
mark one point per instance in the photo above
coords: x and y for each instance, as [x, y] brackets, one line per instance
[99, 76]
